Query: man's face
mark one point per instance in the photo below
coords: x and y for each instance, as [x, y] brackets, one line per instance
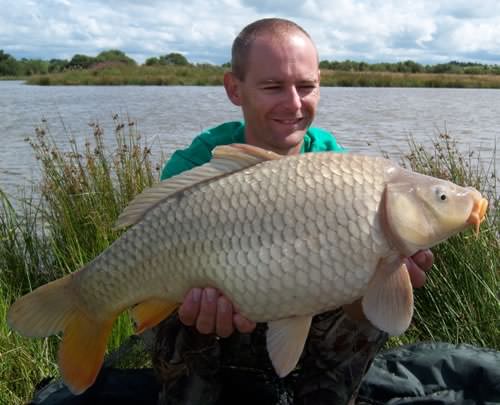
[280, 92]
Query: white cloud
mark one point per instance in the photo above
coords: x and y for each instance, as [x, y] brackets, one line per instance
[470, 37]
[423, 30]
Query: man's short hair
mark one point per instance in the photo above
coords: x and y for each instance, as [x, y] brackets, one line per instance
[243, 42]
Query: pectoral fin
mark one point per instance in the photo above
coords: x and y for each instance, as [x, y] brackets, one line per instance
[285, 342]
[388, 303]
[151, 312]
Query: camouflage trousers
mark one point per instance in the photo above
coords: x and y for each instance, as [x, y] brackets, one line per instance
[205, 369]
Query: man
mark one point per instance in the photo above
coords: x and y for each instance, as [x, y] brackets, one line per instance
[275, 80]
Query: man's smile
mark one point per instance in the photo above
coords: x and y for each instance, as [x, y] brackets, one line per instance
[288, 121]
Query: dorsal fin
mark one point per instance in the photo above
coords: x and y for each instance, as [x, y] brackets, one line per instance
[244, 153]
[226, 159]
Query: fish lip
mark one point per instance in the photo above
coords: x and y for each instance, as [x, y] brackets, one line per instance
[478, 213]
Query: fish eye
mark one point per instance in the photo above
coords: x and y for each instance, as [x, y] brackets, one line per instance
[440, 194]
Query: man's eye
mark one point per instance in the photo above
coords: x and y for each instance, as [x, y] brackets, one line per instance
[306, 90]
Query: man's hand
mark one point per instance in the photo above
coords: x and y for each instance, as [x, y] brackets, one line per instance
[418, 265]
[210, 312]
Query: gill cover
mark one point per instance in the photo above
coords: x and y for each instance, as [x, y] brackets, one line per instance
[421, 211]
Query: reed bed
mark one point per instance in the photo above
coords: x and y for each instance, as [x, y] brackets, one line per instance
[84, 188]
[206, 75]
[82, 191]
[200, 75]
[394, 79]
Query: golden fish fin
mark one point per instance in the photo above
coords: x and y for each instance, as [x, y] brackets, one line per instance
[151, 312]
[285, 342]
[226, 159]
[53, 308]
[44, 311]
[82, 349]
[246, 155]
[388, 302]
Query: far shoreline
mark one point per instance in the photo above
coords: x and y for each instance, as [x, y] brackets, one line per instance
[212, 76]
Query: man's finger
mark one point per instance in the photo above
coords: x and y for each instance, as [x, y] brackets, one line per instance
[417, 276]
[188, 311]
[208, 311]
[224, 322]
[424, 259]
[243, 324]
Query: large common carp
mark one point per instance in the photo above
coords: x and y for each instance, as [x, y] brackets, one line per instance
[284, 238]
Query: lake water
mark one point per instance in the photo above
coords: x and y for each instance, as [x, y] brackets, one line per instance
[364, 120]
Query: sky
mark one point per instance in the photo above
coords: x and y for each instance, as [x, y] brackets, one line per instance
[425, 31]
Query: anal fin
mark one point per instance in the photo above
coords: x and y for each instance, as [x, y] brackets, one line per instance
[285, 342]
[151, 312]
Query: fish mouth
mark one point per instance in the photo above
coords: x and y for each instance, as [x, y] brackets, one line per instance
[478, 213]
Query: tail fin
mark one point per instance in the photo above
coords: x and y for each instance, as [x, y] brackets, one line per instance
[53, 308]
[43, 312]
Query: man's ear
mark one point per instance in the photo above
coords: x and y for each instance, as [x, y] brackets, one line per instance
[232, 86]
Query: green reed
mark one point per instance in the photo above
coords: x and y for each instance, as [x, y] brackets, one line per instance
[66, 221]
[460, 302]
[59, 227]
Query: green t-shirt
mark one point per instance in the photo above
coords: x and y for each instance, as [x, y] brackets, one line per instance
[200, 150]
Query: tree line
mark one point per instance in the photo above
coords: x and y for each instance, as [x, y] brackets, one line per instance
[10, 66]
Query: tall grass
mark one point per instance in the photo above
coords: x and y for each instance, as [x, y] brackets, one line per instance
[68, 220]
[82, 191]
[461, 299]
[23, 362]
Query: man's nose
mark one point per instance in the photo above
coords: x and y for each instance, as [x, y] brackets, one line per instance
[293, 99]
